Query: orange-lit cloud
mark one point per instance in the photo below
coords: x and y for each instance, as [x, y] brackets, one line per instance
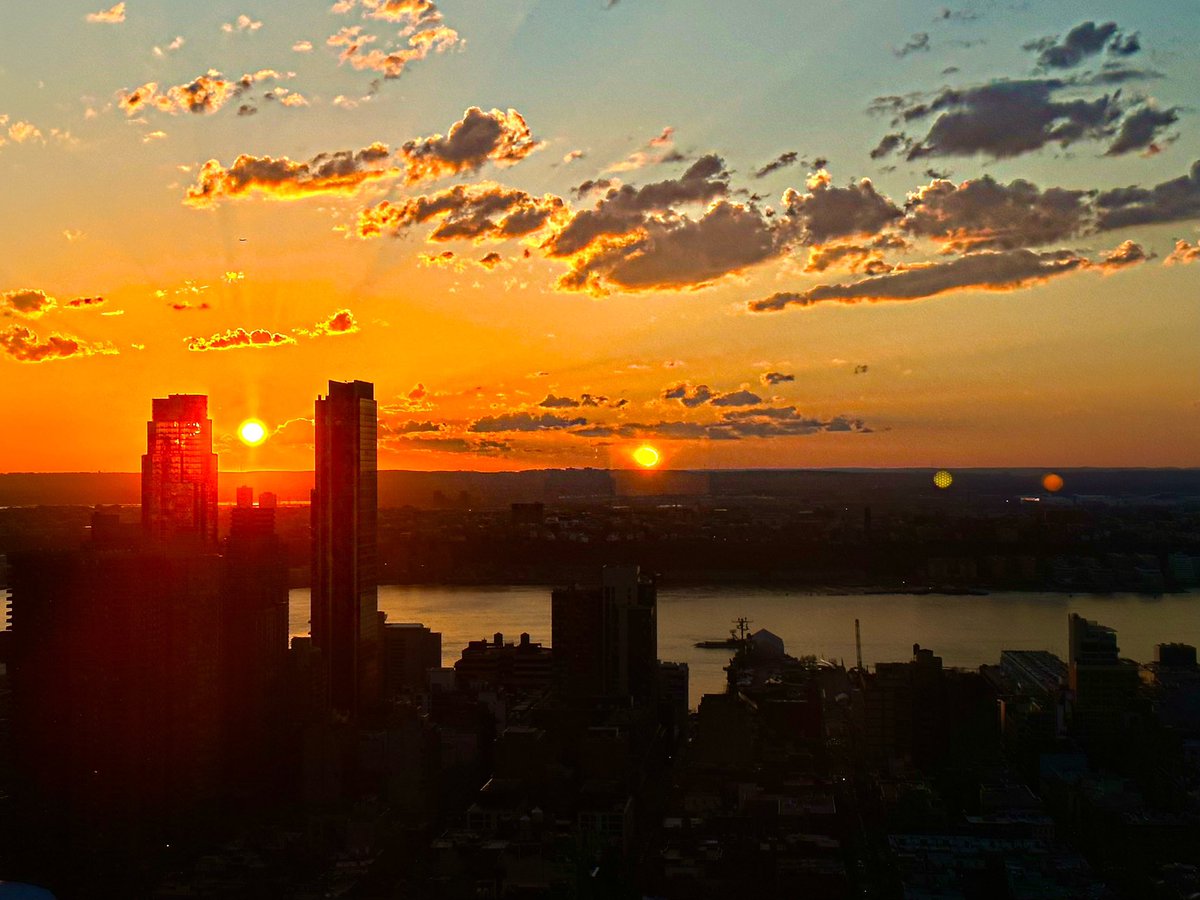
[114, 15]
[21, 132]
[703, 395]
[237, 338]
[241, 23]
[343, 172]
[1183, 254]
[391, 60]
[84, 303]
[1128, 253]
[341, 322]
[987, 271]
[827, 212]
[478, 137]
[471, 212]
[27, 303]
[658, 149]
[206, 93]
[23, 345]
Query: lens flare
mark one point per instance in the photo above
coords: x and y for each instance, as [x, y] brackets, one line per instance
[943, 479]
[252, 432]
[1052, 482]
[646, 457]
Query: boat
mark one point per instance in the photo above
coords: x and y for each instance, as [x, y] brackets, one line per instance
[736, 639]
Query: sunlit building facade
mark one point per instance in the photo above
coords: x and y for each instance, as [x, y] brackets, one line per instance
[179, 472]
[345, 619]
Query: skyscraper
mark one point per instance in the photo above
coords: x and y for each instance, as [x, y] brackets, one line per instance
[179, 471]
[605, 639]
[345, 620]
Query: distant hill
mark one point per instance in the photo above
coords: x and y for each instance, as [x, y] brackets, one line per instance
[484, 489]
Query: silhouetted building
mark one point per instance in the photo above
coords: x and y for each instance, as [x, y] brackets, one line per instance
[409, 651]
[1036, 672]
[345, 621]
[1175, 656]
[254, 644]
[116, 686]
[513, 667]
[179, 471]
[1105, 687]
[605, 638]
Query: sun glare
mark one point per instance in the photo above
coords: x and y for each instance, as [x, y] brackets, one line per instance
[252, 432]
[646, 457]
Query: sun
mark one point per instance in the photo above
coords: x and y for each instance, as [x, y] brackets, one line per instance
[646, 456]
[252, 432]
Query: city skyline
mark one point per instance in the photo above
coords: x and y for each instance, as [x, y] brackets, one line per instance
[549, 234]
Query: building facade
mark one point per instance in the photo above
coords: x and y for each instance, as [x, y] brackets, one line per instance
[179, 472]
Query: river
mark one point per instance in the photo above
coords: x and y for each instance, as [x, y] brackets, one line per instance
[964, 631]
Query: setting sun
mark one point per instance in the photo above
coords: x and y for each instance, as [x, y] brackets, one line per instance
[252, 432]
[646, 457]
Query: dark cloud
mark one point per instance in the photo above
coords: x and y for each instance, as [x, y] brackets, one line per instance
[523, 421]
[409, 426]
[491, 260]
[733, 425]
[27, 303]
[1142, 128]
[783, 160]
[553, 402]
[622, 210]
[826, 212]
[891, 143]
[675, 252]
[987, 270]
[1170, 201]
[703, 395]
[451, 445]
[593, 400]
[479, 137]
[774, 378]
[987, 214]
[23, 345]
[1081, 42]
[342, 172]
[590, 186]
[1008, 118]
[918, 43]
[85, 302]
[464, 212]
[237, 338]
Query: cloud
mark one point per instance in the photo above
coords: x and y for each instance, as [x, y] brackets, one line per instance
[658, 149]
[984, 214]
[114, 15]
[826, 212]
[27, 303]
[341, 322]
[1183, 254]
[241, 23]
[1003, 119]
[171, 47]
[675, 252]
[986, 271]
[867, 257]
[593, 400]
[523, 421]
[1140, 130]
[768, 422]
[702, 395]
[411, 426]
[918, 43]
[424, 33]
[1127, 254]
[239, 337]
[478, 137]
[84, 303]
[1170, 201]
[572, 156]
[491, 260]
[340, 173]
[485, 211]
[206, 93]
[302, 47]
[1081, 42]
[23, 345]
[21, 132]
[484, 447]
[781, 161]
[774, 378]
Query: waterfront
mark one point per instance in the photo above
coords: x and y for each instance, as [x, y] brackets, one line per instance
[964, 631]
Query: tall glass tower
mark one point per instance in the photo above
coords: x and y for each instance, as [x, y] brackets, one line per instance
[179, 472]
[345, 618]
